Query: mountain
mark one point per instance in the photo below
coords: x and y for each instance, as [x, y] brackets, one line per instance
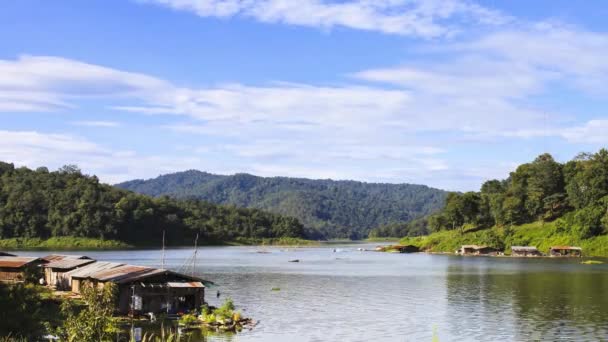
[327, 208]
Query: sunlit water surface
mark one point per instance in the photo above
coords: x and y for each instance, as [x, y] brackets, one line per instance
[351, 295]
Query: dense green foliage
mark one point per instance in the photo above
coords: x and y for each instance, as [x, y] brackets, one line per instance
[23, 309]
[94, 321]
[573, 197]
[327, 208]
[540, 234]
[66, 203]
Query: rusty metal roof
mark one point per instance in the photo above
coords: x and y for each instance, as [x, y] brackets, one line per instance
[57, 257]
[90, 269]
[17, 262]
[189, 284]
[68, 263]
[567, 248]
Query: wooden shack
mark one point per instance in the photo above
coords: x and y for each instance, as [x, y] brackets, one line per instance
[565, 251]
[477, 250]
[144, 289]
[525, 251]
[16, 269]
[55, 272]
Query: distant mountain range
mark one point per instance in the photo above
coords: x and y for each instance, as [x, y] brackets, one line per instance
[327, 208]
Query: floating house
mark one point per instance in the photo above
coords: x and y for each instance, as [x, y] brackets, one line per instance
[143, 289]
[525, 251]
[55, 271]
[565, 251]
[476, 250]
[16, 269]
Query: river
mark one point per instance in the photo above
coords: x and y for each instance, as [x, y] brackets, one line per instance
[352, 295]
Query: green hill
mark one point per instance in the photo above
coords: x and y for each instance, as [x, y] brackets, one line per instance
[327, 208]
[542, 203]
[36, 206]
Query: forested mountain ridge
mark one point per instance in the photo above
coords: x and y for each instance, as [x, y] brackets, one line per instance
[43, 204]
[327, 208]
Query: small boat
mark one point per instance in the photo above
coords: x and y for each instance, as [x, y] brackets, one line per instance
[294, 260]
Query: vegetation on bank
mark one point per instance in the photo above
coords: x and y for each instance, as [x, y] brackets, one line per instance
[65, 203]
[61, 242]
[328, 209]
[540, 234]
[542, 203]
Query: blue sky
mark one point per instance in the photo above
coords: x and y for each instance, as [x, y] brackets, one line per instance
[444, 93]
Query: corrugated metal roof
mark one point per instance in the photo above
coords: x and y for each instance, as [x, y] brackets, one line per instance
[16, 262]
[87, 270]
[126, 273]
[57, 257]
[524, 248]
[67, 264]
[567, 248]
[189, 284]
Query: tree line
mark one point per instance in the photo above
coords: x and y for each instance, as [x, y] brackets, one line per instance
[573, 193]
[43, 204]
[327, 208]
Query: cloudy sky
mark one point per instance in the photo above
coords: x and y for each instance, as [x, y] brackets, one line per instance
[444, 93]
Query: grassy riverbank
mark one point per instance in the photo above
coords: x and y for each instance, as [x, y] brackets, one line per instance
[64, 242]
[78, 243]
[539, 234]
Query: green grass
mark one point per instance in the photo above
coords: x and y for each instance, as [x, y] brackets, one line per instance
[274, 242]
[64, 242]
[540, 234]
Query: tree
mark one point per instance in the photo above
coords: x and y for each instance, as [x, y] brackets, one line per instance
[94, 322]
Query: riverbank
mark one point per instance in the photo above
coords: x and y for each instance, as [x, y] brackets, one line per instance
[543, 235]
[78, 243]
[62, 243]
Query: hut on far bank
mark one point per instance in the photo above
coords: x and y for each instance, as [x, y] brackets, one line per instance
[525, 251]
[476, 250]
[565, 251]
[14, 269]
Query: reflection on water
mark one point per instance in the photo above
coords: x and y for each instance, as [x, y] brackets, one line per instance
[363, 296]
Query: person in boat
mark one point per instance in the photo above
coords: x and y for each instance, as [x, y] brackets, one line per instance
[218, 294]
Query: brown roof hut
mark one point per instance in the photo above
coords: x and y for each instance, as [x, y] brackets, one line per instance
[477, 250]
[55, 272]
[524, 251]
[14, 269]
[144, 289]
[565, 251]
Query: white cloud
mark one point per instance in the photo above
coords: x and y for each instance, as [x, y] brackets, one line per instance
[106, 124]
[42, 83]
[33, 149]
[420, 18]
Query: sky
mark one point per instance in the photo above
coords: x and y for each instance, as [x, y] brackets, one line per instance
[444, 93]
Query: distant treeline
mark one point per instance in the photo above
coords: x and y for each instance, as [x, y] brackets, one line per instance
[43, 204]
[326, 208]
[574, 193]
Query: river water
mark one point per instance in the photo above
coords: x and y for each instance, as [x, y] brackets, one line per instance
[352, 295]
